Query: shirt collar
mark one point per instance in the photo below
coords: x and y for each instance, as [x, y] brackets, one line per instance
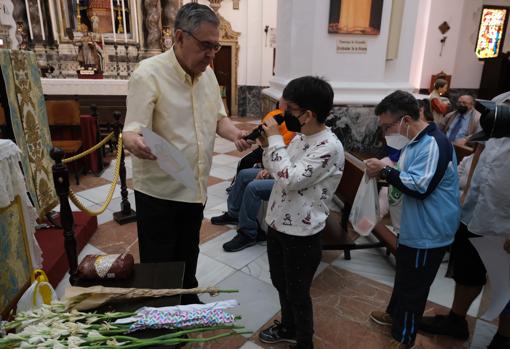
[183, 76]
[430, 128]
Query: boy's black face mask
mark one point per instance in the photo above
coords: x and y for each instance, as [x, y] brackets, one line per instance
[292, 122]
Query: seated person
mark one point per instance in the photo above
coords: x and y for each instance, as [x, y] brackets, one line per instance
[250, 188]
[463, 122]
[439, 108]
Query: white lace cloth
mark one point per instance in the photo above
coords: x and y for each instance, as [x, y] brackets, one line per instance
[12, 183]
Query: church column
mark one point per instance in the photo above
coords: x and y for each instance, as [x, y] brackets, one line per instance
[33, 12]
[152, 27]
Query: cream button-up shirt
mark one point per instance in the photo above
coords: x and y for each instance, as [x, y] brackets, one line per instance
[184, 111]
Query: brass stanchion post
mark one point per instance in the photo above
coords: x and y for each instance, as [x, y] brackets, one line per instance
[126, 214]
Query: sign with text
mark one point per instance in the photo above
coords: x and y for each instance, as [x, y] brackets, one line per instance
[351, 46]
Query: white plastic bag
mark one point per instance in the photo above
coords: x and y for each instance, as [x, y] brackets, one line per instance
[365, 209]
[40, 292]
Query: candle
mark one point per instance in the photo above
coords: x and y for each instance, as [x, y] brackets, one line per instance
[135, 11]
[29, 21]
[124, 21]
[113, 21]
[53, 21]
[41, 20]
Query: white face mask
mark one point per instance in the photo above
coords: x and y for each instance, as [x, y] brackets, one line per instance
[396, 140]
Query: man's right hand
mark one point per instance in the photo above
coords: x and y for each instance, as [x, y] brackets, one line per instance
[133, 142]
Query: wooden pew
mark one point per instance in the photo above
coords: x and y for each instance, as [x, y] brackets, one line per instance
[336, 233]
[462, 151]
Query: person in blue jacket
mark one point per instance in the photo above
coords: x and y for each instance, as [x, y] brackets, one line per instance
[427, 178]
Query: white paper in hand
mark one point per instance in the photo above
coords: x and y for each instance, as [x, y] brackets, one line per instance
[170, 159]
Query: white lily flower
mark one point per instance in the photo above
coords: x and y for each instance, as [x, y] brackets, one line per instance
[74, 342]
[94, 335]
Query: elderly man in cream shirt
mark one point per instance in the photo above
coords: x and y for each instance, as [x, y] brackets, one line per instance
[176, 94]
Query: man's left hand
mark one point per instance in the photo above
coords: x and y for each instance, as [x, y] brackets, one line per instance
[506, 246]
[241, 143]
[374, 166]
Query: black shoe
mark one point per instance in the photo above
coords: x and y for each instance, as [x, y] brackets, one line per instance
[225, 218]
[238, 243]
[445, 325]
[499, 342]
[276, 334]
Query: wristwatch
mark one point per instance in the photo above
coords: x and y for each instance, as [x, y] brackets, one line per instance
[385, 172]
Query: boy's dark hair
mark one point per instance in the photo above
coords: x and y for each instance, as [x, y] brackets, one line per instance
[425, 104]
[440, 83]
[311, 93]
[398, 104]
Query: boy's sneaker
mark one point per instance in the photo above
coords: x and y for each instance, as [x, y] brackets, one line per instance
[238, 243]
[499, 342]
[381, 318]
[445, 325]
[225, 218]
[276, 333]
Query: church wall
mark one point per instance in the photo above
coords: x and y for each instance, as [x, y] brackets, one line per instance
[468, 69]
[452, 12]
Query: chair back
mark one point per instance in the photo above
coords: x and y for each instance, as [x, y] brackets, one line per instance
[351, 178]
[63, 113]
[462, 151]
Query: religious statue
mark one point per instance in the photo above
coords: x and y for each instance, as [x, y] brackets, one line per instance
[90, 54]
[99, 14]
[21, 36]
[95, 23]
[166, 38]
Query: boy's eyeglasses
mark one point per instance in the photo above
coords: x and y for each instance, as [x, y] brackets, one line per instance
[386, 127]
[205, 45]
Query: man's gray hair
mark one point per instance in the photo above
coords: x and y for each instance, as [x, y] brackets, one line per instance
[190, 16]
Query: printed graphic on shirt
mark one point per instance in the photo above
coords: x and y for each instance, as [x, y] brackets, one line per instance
[308, 171]
[324, 142]
[325, 159]
[287, 219]
[324, 194]
[283, 174]
[275, 157]
[272, 206]
[284, 195]
[307, 219]
[305, 148]
[394, 195]
[302, 191]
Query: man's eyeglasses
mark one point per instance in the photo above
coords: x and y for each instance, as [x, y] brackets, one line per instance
[205, 45]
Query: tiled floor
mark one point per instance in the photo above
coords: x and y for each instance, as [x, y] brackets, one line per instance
[344, 292]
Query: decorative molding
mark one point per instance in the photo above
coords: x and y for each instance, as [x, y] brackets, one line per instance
[229, 37]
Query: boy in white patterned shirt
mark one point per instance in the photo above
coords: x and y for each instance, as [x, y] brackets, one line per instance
[307, 174]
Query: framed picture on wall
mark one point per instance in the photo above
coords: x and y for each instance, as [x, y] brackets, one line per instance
[362, 17]
[491, 33]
